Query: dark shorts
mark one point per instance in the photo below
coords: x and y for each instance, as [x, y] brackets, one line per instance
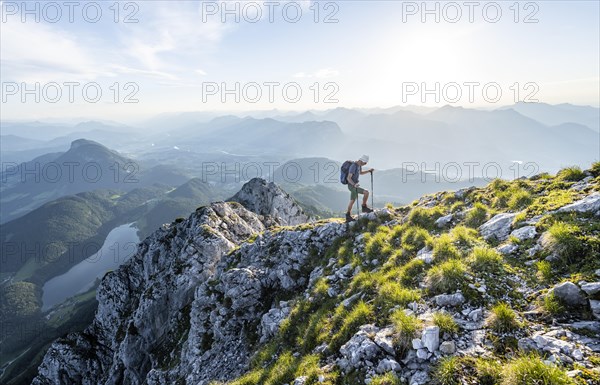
[354, 191]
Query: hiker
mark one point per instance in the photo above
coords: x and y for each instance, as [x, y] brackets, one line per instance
[350, 174]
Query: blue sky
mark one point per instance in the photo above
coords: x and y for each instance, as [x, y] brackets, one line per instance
[368, 55]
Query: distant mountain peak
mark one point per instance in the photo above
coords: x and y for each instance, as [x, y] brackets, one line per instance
[83, 142]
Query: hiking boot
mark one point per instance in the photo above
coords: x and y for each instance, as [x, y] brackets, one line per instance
[366, 209]
[349, 218]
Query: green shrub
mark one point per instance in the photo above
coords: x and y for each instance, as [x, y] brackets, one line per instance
[446, 277]
[595, 170]
[377, 244]
[365, 282]
[464, 236]
[411, 272]
[570, 174]
[392, 293]
[519, 199]
[563, 240]
[360, 314]
[503, 319]
[406, 327]
[544, 271]
[552, 305]
[283, 370]
[477, 215]
[447, 371]
[321, 287]
[485, 259]
[415, 238]
[425, 217]
[531, 370]
[444, 249]
[396, 234]
[488, 372]
[388, 378]
[445, 322]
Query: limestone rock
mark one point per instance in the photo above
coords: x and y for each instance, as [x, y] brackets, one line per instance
[498, 227]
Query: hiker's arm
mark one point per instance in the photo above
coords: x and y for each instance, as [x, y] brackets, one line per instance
[349, 179]
[368, 171]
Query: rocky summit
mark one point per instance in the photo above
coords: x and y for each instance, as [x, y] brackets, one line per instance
[494, 285]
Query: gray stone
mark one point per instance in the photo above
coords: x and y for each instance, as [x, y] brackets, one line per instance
[589, 204]
[388, 365]
[426, 255]
[527, 344]
[448, 347]
[507, 248]
[431, 338]
[595, 306]
[417, 344]
[444, 221]
[569, 294]
[422, 354]
[524, 233]
[419, 378]
[476, 315]
[449, 299]
[591, 288]
[498, 227]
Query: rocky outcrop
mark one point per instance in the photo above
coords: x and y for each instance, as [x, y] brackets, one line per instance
[188, 305]
[268, 199]
[498, 227]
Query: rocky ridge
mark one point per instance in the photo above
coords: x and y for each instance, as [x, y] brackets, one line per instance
[401, 296]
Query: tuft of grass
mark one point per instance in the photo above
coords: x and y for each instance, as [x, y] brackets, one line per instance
[485, 259]
[445, 373]
[531, 370]
[415, 238]
[544, 271]
[595, 170]
[519, 199]
[444, 249]
[388, 378]
[392, 293]
[563, 239]
[503, 319]
[406, 327]
[360, 314]
[570, 174]
[377, 245]
[446, 277]
[488, 372]
[477, 215]
[553, 200]
[411, 272]
[552, 305]
[464, 236]
[321, 287]
[425, 217]
[445, 322]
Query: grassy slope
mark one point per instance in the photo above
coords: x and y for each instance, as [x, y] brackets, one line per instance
[391, 277]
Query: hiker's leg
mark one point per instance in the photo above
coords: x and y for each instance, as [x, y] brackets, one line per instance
[365, 197]
[350, 205]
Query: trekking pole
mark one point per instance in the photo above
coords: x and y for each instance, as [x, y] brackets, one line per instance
[357, 211]
[372, 193]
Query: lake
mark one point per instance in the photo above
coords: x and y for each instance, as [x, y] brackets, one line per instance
[120, 245]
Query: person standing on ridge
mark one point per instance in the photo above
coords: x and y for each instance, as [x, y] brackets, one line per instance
[352, 171]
